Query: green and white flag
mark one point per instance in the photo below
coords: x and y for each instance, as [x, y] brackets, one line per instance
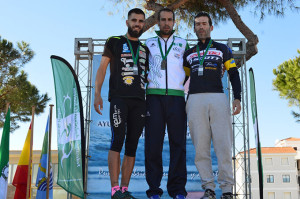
[4, 156]
[255, 126]
[70, 136]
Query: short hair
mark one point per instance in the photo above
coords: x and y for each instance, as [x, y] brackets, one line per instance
[166, 10]
[136, 11]
[203, 14]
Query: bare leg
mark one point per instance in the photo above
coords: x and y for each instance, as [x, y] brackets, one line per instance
[127, 167]
[114, 167]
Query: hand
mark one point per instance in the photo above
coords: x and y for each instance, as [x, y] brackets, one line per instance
[236, 107]
[98, 101]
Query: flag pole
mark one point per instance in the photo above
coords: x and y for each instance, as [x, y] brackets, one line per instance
[7, 106]
[49, 151]
[30, 154]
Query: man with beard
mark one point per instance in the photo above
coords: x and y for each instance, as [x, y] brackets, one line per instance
[208, 108]
[166, 107]
[128, 66]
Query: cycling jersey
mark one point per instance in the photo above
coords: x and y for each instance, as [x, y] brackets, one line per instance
[168, 80]
[218, 55]
[123, 82]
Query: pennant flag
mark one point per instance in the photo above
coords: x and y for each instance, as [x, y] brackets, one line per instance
[4, 156]
[70, 135]
[255, 126]
[41, 179]
[20, 178]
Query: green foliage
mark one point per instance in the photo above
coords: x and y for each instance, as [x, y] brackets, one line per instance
[14, 86]
[218, 13]
[287, 81]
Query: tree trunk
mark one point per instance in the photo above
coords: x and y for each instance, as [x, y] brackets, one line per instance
[251, 45]
[152, 5]
[251, 48]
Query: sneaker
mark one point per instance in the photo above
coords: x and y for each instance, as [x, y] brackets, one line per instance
[227, 195]
[127, 195]
[209, 194]
[179, 197]
[155, 197]
[118, 195]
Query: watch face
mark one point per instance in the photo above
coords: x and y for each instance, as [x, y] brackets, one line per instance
[4, 172]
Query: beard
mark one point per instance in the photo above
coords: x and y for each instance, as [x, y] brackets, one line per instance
[167, 32]
[203, 36]
[134, 33]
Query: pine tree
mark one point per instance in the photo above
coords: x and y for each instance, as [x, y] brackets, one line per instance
[14, 85]
[287, 82]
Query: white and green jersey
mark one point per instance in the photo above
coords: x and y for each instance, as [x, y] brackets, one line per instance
[166, 74]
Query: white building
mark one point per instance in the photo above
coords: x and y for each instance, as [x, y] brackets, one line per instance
[281, 168]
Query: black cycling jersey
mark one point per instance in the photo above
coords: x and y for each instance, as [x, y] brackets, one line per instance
[218, 55]
[123, 82]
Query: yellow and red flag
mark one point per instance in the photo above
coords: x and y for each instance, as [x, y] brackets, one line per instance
[21, 176]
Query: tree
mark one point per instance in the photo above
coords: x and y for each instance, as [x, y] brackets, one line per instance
[220, 10]
[14, 86]
[287, 82]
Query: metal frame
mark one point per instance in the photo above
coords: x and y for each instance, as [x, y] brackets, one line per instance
[86, 48]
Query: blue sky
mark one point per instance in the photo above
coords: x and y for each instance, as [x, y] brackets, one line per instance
[51, 26]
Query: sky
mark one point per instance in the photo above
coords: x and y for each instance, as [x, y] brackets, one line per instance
[50, 28]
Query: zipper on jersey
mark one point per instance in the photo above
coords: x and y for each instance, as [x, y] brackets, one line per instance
[166, 42]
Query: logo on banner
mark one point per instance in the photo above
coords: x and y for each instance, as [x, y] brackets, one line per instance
[4, 173]
[69, 127]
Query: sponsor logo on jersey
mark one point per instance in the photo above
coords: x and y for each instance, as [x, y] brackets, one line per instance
[178, 44]
[126, 55]
[128, 80]
[142, 54]
[175, 48]
[143, 61]
[177, 55]
[127, 69]
[126, 73]
[142, 49]
[117, 116]
[125, 48]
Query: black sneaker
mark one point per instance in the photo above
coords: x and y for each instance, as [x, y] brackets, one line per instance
[118, 195]
[127, 195]
[227, 195]
[209, 194]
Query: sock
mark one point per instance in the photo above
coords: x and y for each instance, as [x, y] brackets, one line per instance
[124, 189]
[114, 190]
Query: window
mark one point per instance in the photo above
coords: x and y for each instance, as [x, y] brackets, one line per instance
[271, 195]
[286, 178]
[284, 161]
[269, 161]
[270, 178]
[287, 195]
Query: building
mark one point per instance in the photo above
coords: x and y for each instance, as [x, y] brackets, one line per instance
[281, 170]
[14, 156]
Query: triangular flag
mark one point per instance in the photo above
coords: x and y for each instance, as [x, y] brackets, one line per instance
[20, 178]
[41, 179]
[4, 156]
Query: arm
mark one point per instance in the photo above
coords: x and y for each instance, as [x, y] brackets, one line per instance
[236, 87]
[99, 82]
[234, 80]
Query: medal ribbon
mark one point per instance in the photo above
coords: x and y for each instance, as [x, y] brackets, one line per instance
[134, 57]
[161, 52]
[206, 51]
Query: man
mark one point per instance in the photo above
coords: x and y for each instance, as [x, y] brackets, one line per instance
[166, 106]
[207, 107]
[128, 64]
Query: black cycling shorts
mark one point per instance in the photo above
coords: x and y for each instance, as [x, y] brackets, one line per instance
[127, 119]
